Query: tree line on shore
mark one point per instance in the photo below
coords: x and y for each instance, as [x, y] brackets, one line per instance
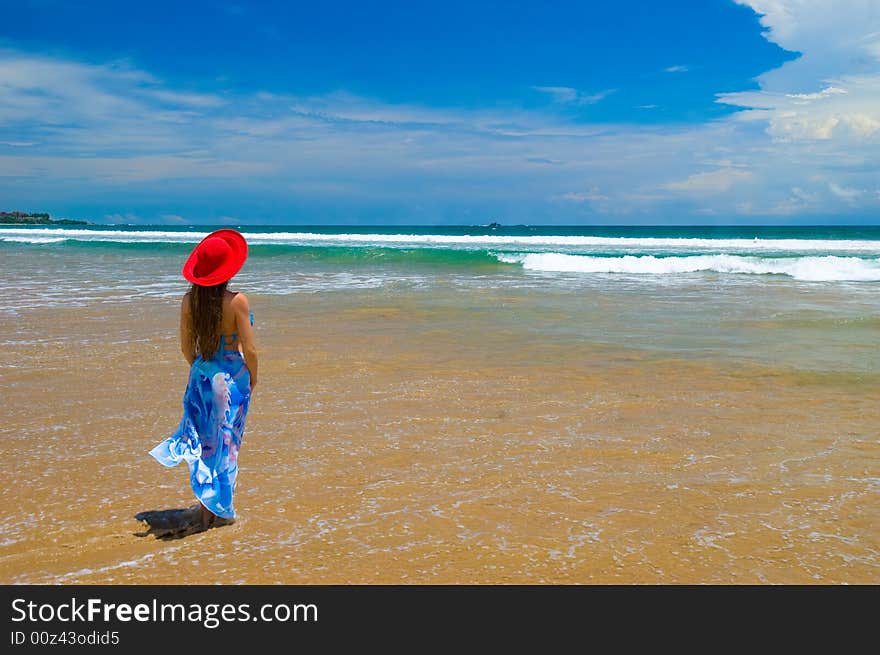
[35, 218]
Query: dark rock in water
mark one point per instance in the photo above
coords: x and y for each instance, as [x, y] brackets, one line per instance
[494, 225]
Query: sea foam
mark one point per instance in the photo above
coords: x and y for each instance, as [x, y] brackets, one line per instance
[467, 241]
[815, 269]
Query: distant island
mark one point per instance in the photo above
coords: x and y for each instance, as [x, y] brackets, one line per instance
[21, 218]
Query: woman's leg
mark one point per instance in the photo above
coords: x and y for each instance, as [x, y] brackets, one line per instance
[207, 517]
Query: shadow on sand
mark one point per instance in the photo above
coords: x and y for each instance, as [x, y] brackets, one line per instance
[167, 524]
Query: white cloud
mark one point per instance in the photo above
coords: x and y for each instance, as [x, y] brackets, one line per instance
[818, 28]
[559, 93]
[593, 195]
[796, 201]
[848, 111]
[91, 108]
[805, 98]
[569, 95]
[710, 182]
[830, 91]
[676, 69]
[118, 170]
[844, 193]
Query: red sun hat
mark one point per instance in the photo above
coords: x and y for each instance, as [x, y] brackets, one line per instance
[216, 258]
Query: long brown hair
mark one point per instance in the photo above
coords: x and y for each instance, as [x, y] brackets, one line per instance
[206, 309]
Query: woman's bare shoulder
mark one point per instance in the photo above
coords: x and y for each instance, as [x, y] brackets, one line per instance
[239, 299]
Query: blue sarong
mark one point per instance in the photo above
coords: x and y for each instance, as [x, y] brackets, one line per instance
[215, 406]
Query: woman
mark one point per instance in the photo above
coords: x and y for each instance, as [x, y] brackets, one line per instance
[217, 341]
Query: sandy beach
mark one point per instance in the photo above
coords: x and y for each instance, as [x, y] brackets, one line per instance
[385, 445]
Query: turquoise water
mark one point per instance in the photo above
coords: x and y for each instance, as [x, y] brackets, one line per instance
[801, 297]
[802, 253]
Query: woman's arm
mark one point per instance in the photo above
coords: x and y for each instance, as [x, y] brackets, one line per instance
[186, 346]
[241, 309]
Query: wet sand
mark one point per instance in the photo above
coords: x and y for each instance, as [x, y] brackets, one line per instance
[389, 444]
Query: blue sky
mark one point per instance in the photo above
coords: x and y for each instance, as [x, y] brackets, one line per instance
[707, 111]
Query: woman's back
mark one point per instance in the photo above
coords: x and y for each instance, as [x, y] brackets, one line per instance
[234, 330]
[228, 330]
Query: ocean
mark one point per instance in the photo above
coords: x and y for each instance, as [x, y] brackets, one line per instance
[794, 296]
[451, 405]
